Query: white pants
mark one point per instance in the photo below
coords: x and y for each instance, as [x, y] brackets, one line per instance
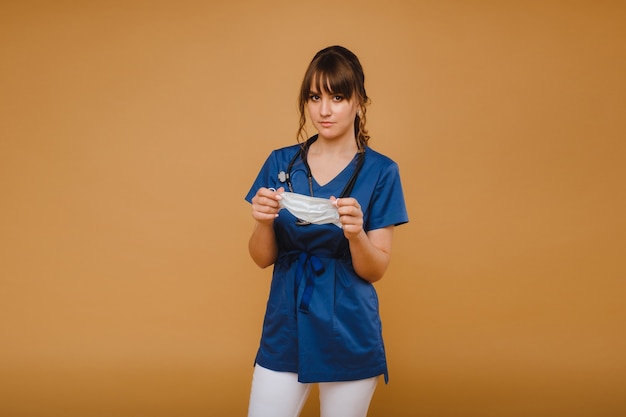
[279, 394]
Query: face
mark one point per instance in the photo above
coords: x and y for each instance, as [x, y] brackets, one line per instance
[332, 114]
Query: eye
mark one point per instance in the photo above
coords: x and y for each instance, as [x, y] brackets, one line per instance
[314, 97]
[338, 97]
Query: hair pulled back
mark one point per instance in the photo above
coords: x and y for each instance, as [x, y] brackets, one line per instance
[336, 70]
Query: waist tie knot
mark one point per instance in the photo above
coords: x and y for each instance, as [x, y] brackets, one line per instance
[309, 266]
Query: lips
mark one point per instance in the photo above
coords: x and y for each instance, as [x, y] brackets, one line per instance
[326, 124]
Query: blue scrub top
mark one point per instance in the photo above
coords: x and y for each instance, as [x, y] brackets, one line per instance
[322, 320]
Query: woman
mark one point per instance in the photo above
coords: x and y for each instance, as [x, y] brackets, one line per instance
[322, 323]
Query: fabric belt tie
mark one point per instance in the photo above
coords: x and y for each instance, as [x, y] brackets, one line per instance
[309, 266]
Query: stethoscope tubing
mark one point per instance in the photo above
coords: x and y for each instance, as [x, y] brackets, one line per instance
[302, 154]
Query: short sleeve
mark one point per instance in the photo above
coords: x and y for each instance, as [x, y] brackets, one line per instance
[387, 206]
[265, 177]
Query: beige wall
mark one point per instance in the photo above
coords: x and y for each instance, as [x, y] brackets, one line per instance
[130, 132]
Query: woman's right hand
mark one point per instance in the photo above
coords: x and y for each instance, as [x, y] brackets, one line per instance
[265, 204]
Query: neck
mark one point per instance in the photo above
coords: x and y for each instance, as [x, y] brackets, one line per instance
[346, 146]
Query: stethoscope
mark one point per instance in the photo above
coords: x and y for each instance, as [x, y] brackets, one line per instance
[285, 177]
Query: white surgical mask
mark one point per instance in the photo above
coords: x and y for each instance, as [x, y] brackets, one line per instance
[313, 210]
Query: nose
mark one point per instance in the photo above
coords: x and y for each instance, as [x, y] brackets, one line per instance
[325, 108]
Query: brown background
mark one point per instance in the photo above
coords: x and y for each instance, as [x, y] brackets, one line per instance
[130, 132]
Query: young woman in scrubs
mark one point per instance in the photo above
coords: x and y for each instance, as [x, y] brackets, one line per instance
[322, 322]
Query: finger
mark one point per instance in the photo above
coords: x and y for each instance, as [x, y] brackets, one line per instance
[264, 216]
[267, 205]
[347, 201]
[266, 197]
[351, 220]
[350, 211]
[271, 201]
[266, 208]
[271, 193]
[266, 192]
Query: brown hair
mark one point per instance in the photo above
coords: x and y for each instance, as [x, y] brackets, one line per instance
[336, 70]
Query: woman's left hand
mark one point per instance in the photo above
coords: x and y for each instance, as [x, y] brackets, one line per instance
[350, 215]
